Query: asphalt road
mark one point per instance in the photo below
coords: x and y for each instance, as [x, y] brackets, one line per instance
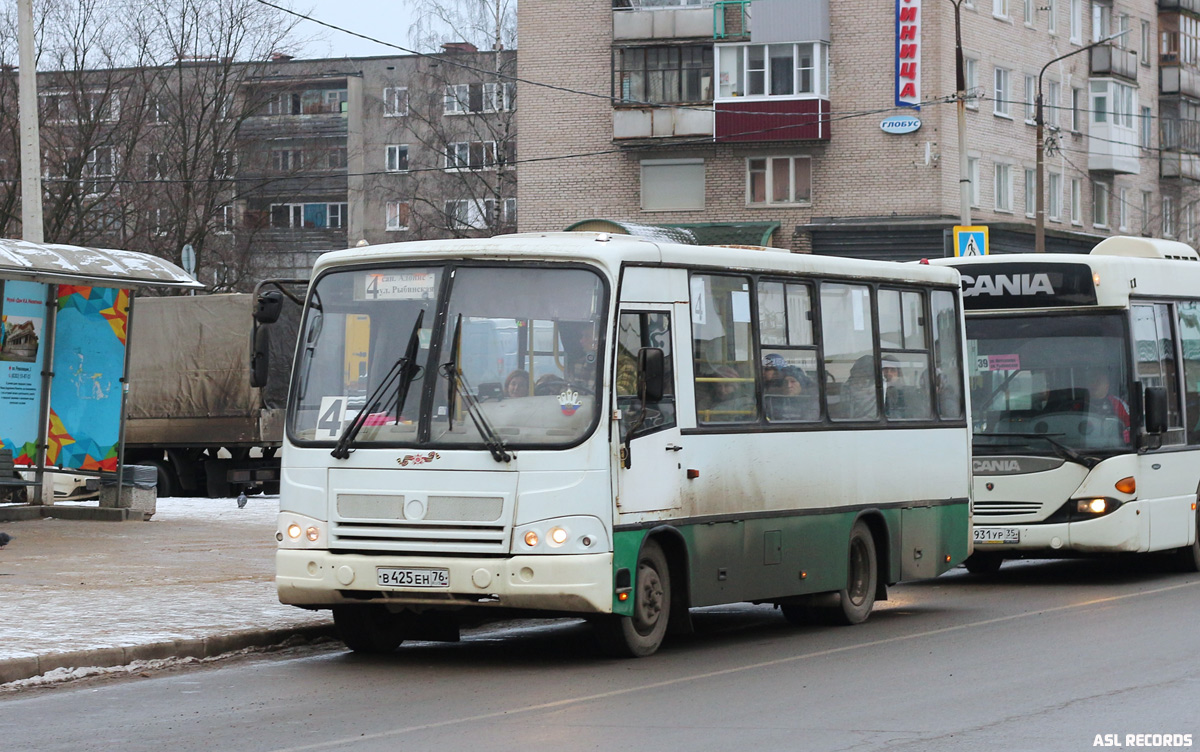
[1044, 656]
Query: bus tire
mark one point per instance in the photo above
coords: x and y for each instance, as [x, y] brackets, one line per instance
[368, 629]
[857, 599]
[1187, 558]
[979, 563]
[641, 634]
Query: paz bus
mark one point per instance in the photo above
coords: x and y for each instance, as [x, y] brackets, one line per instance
[617, 429]
[1085, 404]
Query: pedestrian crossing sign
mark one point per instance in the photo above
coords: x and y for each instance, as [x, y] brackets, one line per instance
[970, 240]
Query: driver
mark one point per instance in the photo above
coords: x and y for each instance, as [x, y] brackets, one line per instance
[1104, 404]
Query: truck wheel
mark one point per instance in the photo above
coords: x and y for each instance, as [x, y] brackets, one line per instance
[368, 629]
[167, 485]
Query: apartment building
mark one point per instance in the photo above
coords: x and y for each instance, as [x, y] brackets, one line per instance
[692, 112]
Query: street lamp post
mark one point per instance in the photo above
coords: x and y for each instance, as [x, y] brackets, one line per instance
[964, 178]
[1039, 235]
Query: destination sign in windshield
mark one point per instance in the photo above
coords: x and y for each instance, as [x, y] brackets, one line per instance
[991, 286]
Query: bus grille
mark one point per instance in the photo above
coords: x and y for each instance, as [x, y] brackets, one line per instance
[1007, 508]
[389, 523]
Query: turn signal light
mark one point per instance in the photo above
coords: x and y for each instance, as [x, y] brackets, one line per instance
[531, 539]
[1126, 485]
[293, 531]
[312, 534]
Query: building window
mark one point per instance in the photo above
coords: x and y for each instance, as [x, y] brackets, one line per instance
[1031, 99]
[1078, 102]
[397, 158]
[1144, 49]
[1168, 217]
[317, 216]
[1052, 16]
[663, 74]
[1003, 188]
[1054, 197]
[778, 180]
[227, 220]
[971, 74]
[286, 160]
[398, 215]
[1099, 205]
[395, 101]
[1077, 201]
[1028, 12]
[1114, 103]
[471, 155]
[672, 184]
[1123, 209]
[337, 215]
[307, 102]
[1002, 92]
[98, 166]
[1030, 193]
[89, 107]
[156, 165]
[157, 221]
[336, 158]
[224, 163]
[1145, 122]
[466, 214]
[461, 99]
[1076, 21]
[1145, 212]
[1189, 222]
[1053, 95]
[973, 179]
[772, 70]
[1000, 8]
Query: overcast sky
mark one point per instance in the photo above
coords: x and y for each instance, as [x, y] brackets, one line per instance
[388, 20]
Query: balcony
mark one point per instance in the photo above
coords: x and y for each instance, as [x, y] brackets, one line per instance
[1192, 5]
[1113, 149]
[1113, 61]
[661, 122]
[1177, 164]
[1179, 80]
[760, 120]
[630, 24]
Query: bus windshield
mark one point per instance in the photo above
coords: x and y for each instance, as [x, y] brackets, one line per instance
[521, 341]
[1049, 384]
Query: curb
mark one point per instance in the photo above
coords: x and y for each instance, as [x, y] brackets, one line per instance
[15, 669]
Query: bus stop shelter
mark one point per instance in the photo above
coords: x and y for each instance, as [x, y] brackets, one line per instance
[64, 314]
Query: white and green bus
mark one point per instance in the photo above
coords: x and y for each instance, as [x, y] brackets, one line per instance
[1085, 401]
[609, 427]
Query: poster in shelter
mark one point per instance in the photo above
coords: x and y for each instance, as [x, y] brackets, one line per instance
[86, 391]
[22, 327]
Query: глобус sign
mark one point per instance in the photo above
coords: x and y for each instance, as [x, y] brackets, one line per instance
[900, 124]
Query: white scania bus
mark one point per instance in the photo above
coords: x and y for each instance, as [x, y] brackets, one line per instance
[618, 429]
[1085, 379]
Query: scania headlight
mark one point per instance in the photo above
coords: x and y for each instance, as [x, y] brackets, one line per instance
[1098, 506]
[561, 535]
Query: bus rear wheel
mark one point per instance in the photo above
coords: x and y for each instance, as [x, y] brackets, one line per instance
[642, 633]
[853, 604]
[368, 629]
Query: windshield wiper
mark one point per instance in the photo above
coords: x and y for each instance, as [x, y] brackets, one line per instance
[1059, 448]
[457, 385]
[402, 372]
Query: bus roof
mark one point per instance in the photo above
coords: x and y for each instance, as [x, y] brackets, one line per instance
[610, 251]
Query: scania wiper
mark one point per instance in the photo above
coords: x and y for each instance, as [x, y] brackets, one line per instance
[457, 385]
[402, 373]
[1061, 449]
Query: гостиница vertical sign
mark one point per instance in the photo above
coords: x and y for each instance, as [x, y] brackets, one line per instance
[908, 53]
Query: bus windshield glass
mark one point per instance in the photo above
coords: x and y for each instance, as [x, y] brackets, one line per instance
[520, 341]
[1049, 384]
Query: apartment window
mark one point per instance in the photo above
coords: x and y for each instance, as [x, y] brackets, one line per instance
[466, 98]
[336, 215]
[1003, 188]
[500, 97]
[1076, 21]
[155, 165]
[98, 165]
[1000, 8]
[398, 215]
[1030, 193]
[157, 109]
[224, 163]
[157, 221]
[1052, 16]
[1078, 103]
[1002, 92]
[1145, 123]
[1123, 209]
[336, 158]
[973, 178]
[1114, 103]
[88, 107]
[664, 74]
[471, 155]
[1145, 212]
[457, 99]
[1076, 201]
[1100, 204]
[227, 219]
[397, 158]
[308, 216]
[1031, 99]
[1144, 49]
[1168, 217]
[1189, 222]
[286, 160]
[1053, 95]
[466, 214]
[772, 70]
[778, 180]
[1028, 8]
[971, 74]
[508, 212]
[672, 184]
[395, 101]
[1054, 197]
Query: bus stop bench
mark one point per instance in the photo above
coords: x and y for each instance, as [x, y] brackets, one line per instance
[10, 480]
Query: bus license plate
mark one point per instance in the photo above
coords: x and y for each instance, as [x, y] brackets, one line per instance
[417, 578]
[997, 535]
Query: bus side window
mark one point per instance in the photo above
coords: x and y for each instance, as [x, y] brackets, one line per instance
[722, 349]
[946, 357]
[635, 331]
[848, 338]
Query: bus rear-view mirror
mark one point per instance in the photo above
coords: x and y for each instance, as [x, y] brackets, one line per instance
[268, 307]
[651, 372]
[261, 357]
[1156, 409]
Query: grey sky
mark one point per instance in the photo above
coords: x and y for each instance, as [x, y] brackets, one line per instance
[388, 20]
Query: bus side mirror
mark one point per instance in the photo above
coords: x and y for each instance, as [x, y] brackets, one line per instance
[268, 307]
[1156, 409]
[260, 359]
[651, 373]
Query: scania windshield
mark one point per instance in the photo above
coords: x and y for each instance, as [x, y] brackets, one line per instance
[381, 345]
[1050, 384]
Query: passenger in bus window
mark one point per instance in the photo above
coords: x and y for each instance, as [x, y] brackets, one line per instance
[516, 384]
[858, 393]
[724, 399]
[791, 396]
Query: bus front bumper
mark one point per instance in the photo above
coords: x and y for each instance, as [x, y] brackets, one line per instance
[1125, 530]
[580, 583]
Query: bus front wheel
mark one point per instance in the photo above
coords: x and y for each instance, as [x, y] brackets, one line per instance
[368, 629]
[1188, 557]
[981, 563]
[641, 634]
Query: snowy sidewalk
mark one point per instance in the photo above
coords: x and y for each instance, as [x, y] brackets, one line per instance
[195, 580]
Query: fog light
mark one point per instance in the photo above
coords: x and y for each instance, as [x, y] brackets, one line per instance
[294, 531]
[531, 538]
[313, 534]
[1093, 506]
[558, 536]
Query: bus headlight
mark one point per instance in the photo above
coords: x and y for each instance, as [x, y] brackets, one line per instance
[562, 535]
[1093, 506]
[298, 531]
[1086, 509]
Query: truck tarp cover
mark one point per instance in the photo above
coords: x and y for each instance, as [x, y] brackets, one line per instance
[190, 357]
